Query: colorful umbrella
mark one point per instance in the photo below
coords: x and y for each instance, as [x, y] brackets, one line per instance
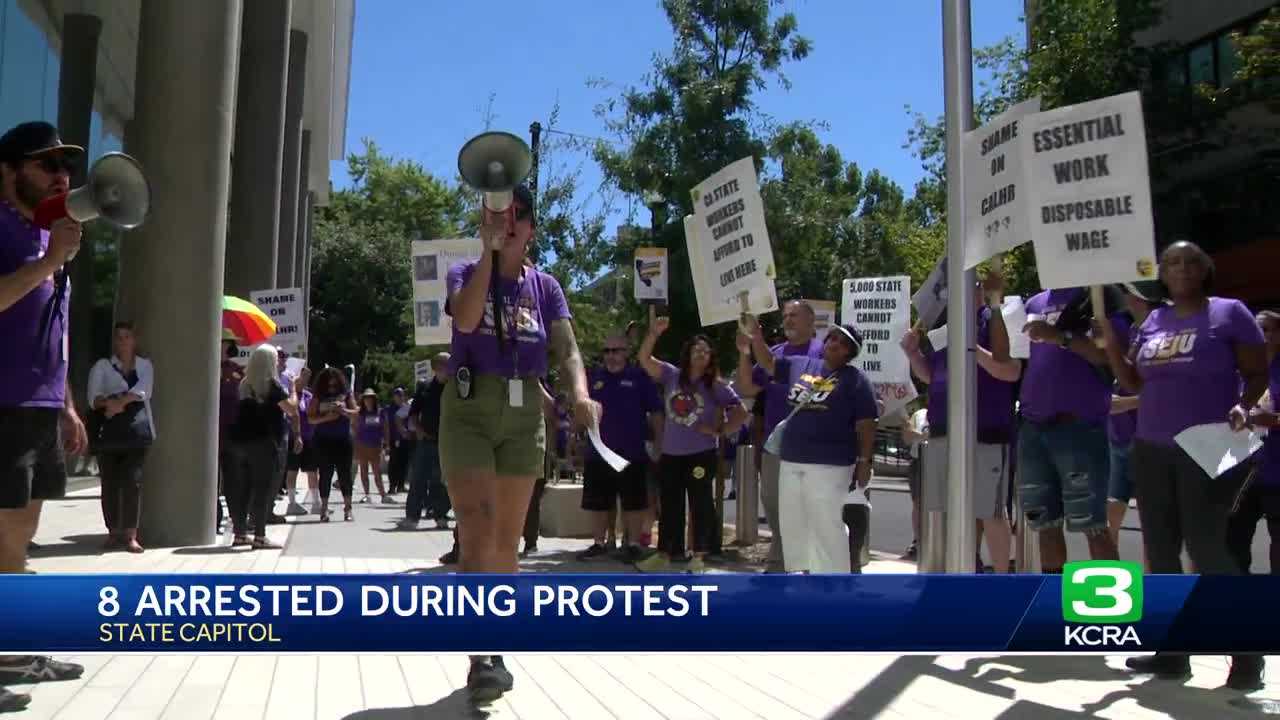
[249, 324]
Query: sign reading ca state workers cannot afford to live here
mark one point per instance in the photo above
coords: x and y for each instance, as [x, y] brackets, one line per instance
[731, 241]
[1089, 193]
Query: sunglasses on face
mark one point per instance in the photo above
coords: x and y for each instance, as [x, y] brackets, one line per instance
[610, 351]
[55, 164]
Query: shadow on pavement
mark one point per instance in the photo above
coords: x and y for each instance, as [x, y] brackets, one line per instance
[453, 705]
[74, 546]
[984, 675]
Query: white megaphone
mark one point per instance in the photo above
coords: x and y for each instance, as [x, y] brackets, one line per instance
[116, 191]
[495, 163]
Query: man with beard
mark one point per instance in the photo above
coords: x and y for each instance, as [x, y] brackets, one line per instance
[38, 419]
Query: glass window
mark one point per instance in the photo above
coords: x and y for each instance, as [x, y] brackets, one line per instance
[24, 55]
[1228, 60]
[1201, 57]
[1175, 71]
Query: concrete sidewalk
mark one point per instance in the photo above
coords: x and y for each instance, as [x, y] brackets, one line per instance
[389, 687]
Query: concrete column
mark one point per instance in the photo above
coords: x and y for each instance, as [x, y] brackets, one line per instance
[252, 237]
[294, 96]
[76, 81]
[305, 283]
[300, 228]
[182, 135]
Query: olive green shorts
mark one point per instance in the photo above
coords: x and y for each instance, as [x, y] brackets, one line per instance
[485, 433]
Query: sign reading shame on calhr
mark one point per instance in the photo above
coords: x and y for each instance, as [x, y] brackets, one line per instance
[996, 218]
[284, 307]
[731, 237]
[1089, 193]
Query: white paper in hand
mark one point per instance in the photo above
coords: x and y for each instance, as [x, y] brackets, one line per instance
[616, 461]
[1217, 448]
[1015, 318]
[938, 338]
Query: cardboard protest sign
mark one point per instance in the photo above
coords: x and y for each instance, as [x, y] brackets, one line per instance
[824, 315]
[651, 274]
[931, 299]
[422, 370]
[732, 242]
[997, 217]
[284, 307]
[1089, 193]
[760, 300]
[431, 262]
[881, 310]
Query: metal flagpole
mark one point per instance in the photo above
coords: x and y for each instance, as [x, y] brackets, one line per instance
[957, 50]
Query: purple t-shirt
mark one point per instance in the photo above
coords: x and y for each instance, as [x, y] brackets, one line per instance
[1057, 381]
[1269, 473]
[369, 429]
[775, 393]
[995, 397]
[1120, 428]
[688, 408]
[334, 429]
[530, 305]
[822, 432]
[228, 397]
[33, 377]
[628, 397]
[390, 419]
[1188, 367]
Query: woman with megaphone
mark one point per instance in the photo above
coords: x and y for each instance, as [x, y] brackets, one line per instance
[508, 318]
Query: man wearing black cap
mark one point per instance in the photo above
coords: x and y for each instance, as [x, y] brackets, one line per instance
[38, 420]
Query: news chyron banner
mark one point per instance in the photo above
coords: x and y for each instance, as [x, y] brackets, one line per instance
[1092, 607]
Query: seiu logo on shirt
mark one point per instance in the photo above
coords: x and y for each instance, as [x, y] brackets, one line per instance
[818, 391]
[522, 316]
[1168, 348]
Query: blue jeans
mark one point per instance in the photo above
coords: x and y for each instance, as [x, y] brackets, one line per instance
[1063, 471]
[426, 490]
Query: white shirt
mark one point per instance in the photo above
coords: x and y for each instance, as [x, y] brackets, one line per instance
[105, 380]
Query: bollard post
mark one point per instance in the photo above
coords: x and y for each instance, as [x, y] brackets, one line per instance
[748, 488]
[933, 525]
[1028, 559]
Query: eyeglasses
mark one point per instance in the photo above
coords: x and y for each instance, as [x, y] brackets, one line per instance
[608, 351]
[55, 164]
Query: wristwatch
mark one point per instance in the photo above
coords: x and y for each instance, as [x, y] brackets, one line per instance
[1067, 337]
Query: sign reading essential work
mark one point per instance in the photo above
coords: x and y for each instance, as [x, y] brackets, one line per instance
[651, 274]
[881, 310]
[732, 242]
[1089, 193]
[431, 262]
[996, 213]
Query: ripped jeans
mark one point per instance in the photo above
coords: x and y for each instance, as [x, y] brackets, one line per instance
[1063, 471]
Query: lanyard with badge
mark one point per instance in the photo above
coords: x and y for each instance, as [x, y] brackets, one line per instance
[515, 384]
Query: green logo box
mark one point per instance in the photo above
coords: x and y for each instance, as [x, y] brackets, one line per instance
[1102, 592]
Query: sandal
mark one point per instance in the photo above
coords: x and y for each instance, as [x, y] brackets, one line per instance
[346, 514]
[241, 541]
[261, 543]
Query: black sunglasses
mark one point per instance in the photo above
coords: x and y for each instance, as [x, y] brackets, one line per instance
[53, 164]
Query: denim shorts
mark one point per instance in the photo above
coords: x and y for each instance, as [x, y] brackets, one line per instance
[1120, 486]
[1063, 472]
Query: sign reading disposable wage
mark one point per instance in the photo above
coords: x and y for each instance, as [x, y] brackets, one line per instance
[996, 216]
[880, 309]
[285, 308]
[1089, 193]
[651, 274]
[431, 262]
[760, 299]
[824, 315]
[732, 241]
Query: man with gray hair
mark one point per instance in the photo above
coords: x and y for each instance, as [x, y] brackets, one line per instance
[798, 321]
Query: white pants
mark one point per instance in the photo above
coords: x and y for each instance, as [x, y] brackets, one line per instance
[810, 500]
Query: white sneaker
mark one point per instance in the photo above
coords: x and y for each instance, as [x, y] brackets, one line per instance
[295, 509]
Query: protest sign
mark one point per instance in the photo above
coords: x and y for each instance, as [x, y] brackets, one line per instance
[284, 307]
[880, 309]
[931, 299]
[824, 315]
[651, 274]
[1089, 193]
[431, 262]
[997, 217]
[422, 370]
[760, 300]
[732, 241]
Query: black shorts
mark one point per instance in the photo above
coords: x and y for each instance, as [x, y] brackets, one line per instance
[32, 464]
[602, 485]
[304, 461]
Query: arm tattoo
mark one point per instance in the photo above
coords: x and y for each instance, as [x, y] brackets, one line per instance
[564, 352]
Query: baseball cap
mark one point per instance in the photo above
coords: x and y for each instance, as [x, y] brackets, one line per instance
[32, 139]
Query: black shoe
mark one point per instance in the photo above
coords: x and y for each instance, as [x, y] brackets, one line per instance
[508, 681]
[11, 701]
[596, 550]
[529, 548]
[485, 683]
[632, 554]
[37, 668]
[449, 558]
[1161, 665]
[911, 553]
[276, 520]
[1246, 672]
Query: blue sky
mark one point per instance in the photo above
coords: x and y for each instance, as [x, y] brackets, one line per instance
[423, 72]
